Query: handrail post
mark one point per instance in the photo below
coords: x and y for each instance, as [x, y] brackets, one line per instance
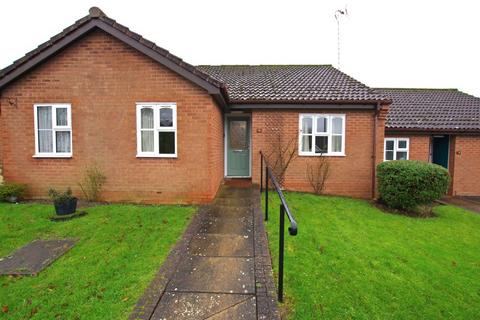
[280, 253]
[266, 194]
[261, 172]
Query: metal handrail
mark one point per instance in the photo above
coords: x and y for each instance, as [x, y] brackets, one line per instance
[284, 209]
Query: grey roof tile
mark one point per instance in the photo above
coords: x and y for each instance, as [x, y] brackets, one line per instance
[432, 109]
[290, 84]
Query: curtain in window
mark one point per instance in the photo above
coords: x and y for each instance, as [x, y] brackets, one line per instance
[307, 128]
[147, 118]
[322, 134]
[337, 131]
[62, 119]
[147, 135]
[63, 141]
[45, 131]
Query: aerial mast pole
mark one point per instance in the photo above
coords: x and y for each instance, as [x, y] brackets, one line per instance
[338, 15]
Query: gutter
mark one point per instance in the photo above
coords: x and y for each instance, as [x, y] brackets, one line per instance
[277, 106]
[429, 131]
[300, 102]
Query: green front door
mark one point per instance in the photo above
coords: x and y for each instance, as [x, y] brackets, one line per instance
[238, 147]
[440, 146]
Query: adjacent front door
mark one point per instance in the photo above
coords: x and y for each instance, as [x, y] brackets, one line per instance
[238, 146]
[440, 150]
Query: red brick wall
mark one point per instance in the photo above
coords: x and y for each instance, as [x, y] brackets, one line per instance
[419, 148]
[466, 180]
[216, 145]
[103, 78]
[350, 175]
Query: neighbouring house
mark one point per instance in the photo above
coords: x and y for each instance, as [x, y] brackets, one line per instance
[164, 131]
[440, 126]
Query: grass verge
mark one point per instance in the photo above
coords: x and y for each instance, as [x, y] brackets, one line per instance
[352, 261]
[120, 249]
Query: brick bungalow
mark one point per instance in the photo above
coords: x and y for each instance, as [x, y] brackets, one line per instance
[440, 126]
[164, 131]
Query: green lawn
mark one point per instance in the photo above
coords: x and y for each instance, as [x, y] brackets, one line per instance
[120, 249]
[352, 261]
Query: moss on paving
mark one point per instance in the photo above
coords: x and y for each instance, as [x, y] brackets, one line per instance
[352, 261]
[120, 249]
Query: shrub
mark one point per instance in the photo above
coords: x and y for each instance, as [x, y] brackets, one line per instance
[281, 156]
[318, 170]
[60, 198]
[9, 190]
[92, 183]
[407, 184]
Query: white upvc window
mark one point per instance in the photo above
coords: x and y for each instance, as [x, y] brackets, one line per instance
[396, 149]
[53, 130]
[322, 134]
[157, 130]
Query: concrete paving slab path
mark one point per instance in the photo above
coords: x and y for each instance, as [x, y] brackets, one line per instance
[469, 203]
[220, 270]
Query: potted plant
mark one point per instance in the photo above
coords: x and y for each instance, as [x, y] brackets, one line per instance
[65, 203]
[12, 192]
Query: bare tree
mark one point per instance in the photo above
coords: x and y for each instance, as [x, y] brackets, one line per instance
[281, 156]
[318, 170]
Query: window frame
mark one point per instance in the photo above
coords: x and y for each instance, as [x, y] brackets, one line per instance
[55, 129]
[329, 134]
[395, 147]
[156, 106]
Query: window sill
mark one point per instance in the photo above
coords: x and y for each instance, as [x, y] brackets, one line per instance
[167, 156]
[52, 156]
[323, 155]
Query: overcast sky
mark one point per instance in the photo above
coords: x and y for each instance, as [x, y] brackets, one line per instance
[383, 43]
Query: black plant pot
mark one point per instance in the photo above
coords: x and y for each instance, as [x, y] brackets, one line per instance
[66, 207]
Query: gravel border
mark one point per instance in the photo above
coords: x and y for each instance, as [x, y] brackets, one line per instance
[266, 292]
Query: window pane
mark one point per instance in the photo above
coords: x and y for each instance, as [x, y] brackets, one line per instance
[63, 141]
[401, 155]
[147, 141]
[307, 125]
[336, 143]
[166, 141]
[44, 116]
[166, 117]
[389, 155]
[45, 141]
[62, 117]
[389, 145]
[321, 144]
[337, 125]
[402, 144]
[307, 143]
[321, 124]
[238, 135]
[147, 118]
